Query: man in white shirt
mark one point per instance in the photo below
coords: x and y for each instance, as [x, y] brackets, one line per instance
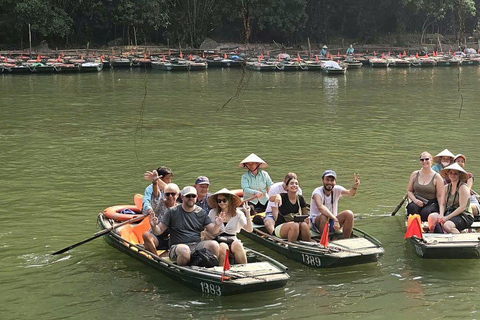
[324, 205]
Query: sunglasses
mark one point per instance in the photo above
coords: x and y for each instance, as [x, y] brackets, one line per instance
[426, 159]
[170, 194]
[190, 196]
[222, 200]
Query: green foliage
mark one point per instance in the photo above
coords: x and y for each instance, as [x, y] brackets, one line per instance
[189, 22]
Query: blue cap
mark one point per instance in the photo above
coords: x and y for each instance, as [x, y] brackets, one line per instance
[329, 173]
[202, 180]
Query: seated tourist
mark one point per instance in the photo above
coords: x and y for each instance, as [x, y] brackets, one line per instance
[234, 219]
[456, 214]
[292, 204]
[151, 240]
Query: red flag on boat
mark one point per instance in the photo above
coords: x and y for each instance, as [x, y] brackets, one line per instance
[414, 227]
[454, 54]
[278, 58]
[225, 56]
[163, 57]
[226, 265]
[298, 56]
[203, 54]
[5, 59]
[316, 58]
[383, 55]
[426, 55]
[144, 55]
[404, 53]
[59, 59]
[38, 58]
[324, 238]
[399, 56]
[416, 55]
[261, 56]
[190, 57]
[181, 55]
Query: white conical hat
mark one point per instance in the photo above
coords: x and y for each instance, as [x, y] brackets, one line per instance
[253, 158]
[455, 166]
[444, 153]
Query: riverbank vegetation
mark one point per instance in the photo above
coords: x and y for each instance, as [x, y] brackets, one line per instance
[99, 23]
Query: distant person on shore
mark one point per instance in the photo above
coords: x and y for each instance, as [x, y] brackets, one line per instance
[160, 177]
[274, 198]
[456, 214]
[350, 51]
[235, 218]
[425, 189]
[324, 205]
[186, 222]
[442, 160]
[323, 51]
[153, 241]
[255, 182]
[475, 205]
[292, 204]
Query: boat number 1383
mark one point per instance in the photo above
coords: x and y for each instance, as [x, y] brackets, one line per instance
[210, 288]
[311, 260]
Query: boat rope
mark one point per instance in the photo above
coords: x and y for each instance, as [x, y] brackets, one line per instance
[139, 125]
[458, 90]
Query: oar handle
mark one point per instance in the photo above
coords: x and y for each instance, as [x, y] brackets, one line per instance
[99, 234]
[400, 205]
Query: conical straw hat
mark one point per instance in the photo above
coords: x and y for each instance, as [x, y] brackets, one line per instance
[212, 200]
[455, 166]
[253, 158]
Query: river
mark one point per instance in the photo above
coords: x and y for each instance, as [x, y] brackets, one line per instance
[72, 145]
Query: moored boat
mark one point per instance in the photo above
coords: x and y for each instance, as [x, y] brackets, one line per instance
[264, 66]
[120, 62]
[91, 67]
[378, 63]
[360, 248]
[332, 67]
[353, 63]
[260, 273]
[399, 63]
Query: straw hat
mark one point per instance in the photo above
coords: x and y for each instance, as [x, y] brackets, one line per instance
[253, 158]
[444, 153]
[455, 166]
[460, 156]
[212, 200]
[324, 47]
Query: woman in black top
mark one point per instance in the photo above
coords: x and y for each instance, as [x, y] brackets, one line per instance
[292, 204]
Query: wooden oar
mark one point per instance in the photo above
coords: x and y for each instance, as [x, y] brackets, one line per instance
[99, 234]
[400, 204]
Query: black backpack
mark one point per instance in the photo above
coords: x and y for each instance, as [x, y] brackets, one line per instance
[203, 258]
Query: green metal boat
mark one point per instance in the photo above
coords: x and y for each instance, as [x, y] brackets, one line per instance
[260, 273]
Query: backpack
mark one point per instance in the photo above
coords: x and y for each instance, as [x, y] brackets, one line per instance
[203, 258]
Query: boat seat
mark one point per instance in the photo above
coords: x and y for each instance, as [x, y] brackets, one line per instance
[138, 200]
[134, 234]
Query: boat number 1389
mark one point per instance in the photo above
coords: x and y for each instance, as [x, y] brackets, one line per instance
[311, 260]
[210, 288]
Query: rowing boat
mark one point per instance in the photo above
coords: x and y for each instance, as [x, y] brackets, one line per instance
[260, 273]
[464, 245]
[360, 248]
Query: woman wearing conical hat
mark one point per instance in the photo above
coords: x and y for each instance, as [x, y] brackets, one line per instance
[457, 213]
[255, 182]
[234, 220]
[474, 204]
[442, 160]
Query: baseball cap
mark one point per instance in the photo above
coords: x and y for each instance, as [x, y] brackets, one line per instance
[329, 173]
[188, 190]
[202, 180]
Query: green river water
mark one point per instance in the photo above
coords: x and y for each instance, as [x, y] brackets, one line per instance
[72, 145]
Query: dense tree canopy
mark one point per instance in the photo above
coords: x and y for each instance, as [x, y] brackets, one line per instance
[68, 23]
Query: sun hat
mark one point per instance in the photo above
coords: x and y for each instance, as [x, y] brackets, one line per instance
[253, 158]
[329, 173]
[455, 166]
[460, 156]
[212, 200]
[188, 190]
[444, 153]
[324, 47]
[202, 180]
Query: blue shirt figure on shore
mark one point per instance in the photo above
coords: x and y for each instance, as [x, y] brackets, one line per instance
[350, 50]
[323, 51]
